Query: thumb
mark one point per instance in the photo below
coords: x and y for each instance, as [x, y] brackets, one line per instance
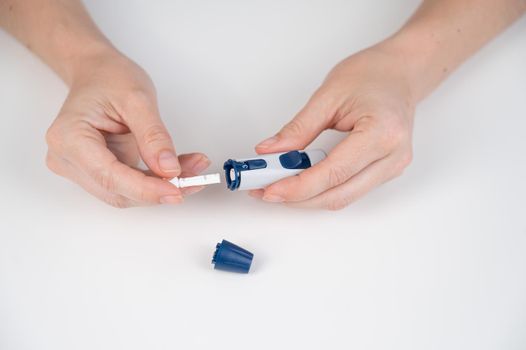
[155, 144]
[300, 131]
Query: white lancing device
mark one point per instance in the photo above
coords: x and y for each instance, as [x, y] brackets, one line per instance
[263, 170]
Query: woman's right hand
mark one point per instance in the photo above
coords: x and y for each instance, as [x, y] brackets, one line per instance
[109, 122]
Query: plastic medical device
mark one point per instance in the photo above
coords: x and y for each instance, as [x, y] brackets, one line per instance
[208, 179]
[231, 257]
[263, 170]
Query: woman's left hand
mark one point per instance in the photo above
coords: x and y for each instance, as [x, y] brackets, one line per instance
[368, 96]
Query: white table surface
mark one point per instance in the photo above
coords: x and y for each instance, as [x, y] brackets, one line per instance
[433, 260]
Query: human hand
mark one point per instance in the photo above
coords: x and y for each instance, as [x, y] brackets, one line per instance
[110, 121]
[367, 95]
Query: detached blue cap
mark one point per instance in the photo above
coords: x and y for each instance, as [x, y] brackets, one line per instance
[230, 257]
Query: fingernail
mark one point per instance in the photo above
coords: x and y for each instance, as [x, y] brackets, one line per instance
[201, 165]
[268, 142]
[171, 200]
[273, 198]
[168, 162]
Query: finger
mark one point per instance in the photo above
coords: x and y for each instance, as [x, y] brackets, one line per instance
[256, 193]
[192, 165]
[301, 130]
[113, 199]
[187, 191]
[67, 170]
[91, 156]
[353, 154]
[154, 141]
[369, 178]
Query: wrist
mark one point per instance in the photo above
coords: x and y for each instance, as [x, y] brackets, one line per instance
[422, 60]
[84, 61]
[76, 48]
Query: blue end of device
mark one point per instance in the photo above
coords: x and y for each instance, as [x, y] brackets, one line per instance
[230, 257]
[233, 170]
[233, 178]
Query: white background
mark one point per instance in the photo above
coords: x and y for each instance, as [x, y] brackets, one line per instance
[433, 260]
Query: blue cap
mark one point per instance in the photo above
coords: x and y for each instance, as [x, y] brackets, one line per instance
[230, 257]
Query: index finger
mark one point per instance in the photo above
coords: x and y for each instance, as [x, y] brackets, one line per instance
[101, 165]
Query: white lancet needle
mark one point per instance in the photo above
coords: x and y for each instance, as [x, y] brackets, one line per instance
[200, 180]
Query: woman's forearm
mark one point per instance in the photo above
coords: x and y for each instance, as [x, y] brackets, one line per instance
[59, 31]
[444, 33]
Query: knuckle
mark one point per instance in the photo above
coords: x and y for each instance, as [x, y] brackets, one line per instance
[395, 135]
[155, 134]
[397, 171]
[118, 202]
[294, 127]
[138, 99]
[142, 193]
[404, 161]
[104, 179]
[53, 164]
[339, 203]
[53, 138]
[338, 174]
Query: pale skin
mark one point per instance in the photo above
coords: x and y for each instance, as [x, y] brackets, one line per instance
[110, 118]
